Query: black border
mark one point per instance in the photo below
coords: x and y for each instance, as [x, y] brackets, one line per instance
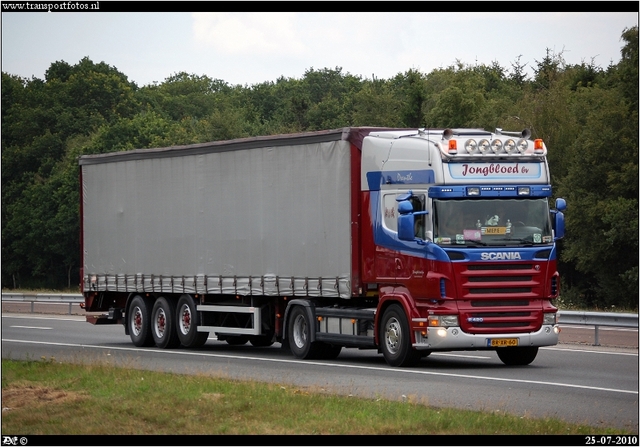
[311, 440]
[332, 6]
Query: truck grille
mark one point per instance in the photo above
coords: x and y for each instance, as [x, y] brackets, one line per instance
[497, 279]
[500, 297]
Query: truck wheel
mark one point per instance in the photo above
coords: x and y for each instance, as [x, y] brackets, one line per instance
[188, 321]
[299, 334]
[163, 323]
[517, 356]
[395, 338]
[139, 321]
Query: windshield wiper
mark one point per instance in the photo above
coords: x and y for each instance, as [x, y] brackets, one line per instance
[476, 242]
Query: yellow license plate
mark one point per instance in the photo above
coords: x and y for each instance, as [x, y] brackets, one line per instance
[499, 342]
[495, 230]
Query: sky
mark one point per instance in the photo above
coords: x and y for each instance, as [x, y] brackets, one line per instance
[248, 48]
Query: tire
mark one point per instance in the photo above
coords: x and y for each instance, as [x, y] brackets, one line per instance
[163, 323]
[517, 356]
[188, 321]
[299, 334]
[139, 321]
[395, 338]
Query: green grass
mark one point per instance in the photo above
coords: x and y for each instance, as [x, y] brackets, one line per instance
[46, 397]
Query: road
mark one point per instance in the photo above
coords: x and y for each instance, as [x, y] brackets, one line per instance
[576, 382]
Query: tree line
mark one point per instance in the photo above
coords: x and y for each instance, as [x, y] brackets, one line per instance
[586, 114]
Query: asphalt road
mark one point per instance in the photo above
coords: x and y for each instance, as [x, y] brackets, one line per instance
[574, 381]
[580, 335]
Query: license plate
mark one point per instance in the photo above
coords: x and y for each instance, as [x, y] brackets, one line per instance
[499, 342]
[494, 230]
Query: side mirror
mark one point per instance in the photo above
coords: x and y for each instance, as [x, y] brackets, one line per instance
[559, 225]
[558, 218]
[406, 221]
[406, 231]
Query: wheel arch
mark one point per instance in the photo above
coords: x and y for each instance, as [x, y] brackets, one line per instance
[309, 308]
[395, 295]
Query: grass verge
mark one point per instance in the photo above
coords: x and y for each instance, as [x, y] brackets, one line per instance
[50, 398]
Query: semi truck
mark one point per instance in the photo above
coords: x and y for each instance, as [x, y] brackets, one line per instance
[401, 241]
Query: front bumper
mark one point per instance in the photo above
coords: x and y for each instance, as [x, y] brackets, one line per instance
[453, 338]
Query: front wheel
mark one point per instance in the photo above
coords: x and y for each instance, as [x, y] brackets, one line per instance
[395, 338]
[517, 356]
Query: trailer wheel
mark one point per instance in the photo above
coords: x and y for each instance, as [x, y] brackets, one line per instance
[299, 334]
[163, 323]
[395, 338]
[517, 356]
[188, 321]
[139, 321]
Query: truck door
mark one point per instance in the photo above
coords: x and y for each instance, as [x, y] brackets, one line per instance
[391, 264]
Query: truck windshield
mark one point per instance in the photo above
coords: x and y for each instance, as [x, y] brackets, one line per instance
[493, 222]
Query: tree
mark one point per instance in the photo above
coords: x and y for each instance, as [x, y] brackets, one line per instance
[376, 105]
[410, 88]
[601, 186]
[183, 95]
[518, 75]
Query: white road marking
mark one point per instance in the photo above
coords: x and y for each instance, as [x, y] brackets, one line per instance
[331, 365]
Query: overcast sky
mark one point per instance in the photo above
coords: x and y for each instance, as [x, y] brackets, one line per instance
[250, 48]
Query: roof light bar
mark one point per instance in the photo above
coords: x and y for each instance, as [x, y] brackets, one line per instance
[501, 144]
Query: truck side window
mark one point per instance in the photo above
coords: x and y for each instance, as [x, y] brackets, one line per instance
[419, 221]
[390, 212]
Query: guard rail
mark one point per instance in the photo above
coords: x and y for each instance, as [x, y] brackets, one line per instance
[596, 319]
[55, 298]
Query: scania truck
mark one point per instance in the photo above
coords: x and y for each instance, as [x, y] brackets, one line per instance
[402, 241]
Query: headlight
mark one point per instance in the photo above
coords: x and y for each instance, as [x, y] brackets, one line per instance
[484, 146]
[470, 146]
[496, 146]
[524, 190]
[443, 320]
[509, 146]
[551, 318]
[522, 146]
[473, 191]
